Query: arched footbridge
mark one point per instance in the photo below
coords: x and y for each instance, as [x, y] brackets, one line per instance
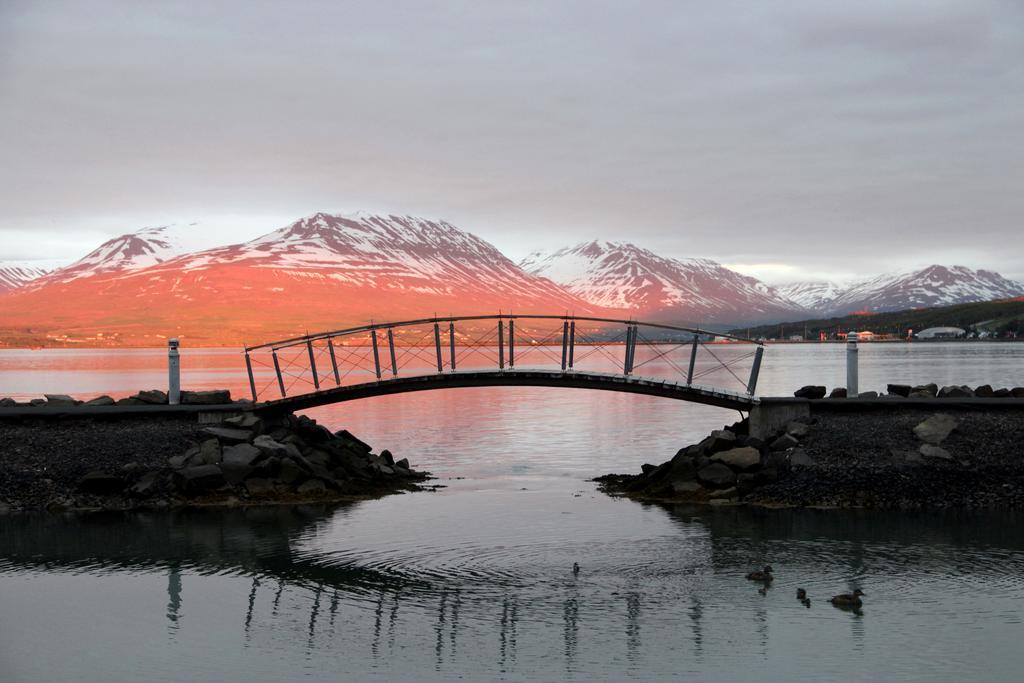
[380, 359]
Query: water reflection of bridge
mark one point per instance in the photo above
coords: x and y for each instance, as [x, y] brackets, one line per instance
[505, 350]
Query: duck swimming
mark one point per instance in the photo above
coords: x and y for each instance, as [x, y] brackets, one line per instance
[575, 567]
[801, 594]
[761, 575]
[848, 599]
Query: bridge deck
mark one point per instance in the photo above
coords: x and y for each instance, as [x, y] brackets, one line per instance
[511, 377]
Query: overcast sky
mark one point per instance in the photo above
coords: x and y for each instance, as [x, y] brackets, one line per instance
[791, 139]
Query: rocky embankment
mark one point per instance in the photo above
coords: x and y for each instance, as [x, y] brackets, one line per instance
[150, 397]
[925, 391]
[156, 462]
[902, 458]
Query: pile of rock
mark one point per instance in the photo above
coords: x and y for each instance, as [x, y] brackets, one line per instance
[251, 458]
[724, 467]
[816, 392]
[142, 398]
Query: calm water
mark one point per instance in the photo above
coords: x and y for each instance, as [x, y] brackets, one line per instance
[475, 580]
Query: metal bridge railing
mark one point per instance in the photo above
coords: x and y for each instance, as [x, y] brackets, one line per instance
[383, 351]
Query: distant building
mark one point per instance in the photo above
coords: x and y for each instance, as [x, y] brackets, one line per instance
[941, 333]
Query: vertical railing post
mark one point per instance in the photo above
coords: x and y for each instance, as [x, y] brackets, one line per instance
[511, 343]
[376, 353]
[851, 365]
[252, 379]
[572, 342]
[451, 344]
[501, 344]
[565, 343]
[391, 348]
[173, 372]
[312, 364]
[437, 346]
[334, 361]
[629, 345]
[277, 369]
[693, 358]
[755, 369]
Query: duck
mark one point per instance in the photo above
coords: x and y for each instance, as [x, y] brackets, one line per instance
[806, 602]
[575, 568]
[761, 575]
[801, 594]
[848, 599]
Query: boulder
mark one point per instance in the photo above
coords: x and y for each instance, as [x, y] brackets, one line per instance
[798, 430]
[718, 441]
[1001, 393]
[1017, 392]
[899, 389]
[930, 389]
[6, 402]
[147, 485]
[130, 401]
[984, 391]
[37, 402]
[290, 472]
[229, 435]
[723, 493]
[241, 456]
[101, 482]
[209, 453]
[152, 397]
[716, 475]
[686, 487]
[955, 392]
[867, 394]
[59, 400]
[929, 451]
[838, 392]
[318, 457]
[100, 401]
[388, 458]
[176, 461]
[312, 487]
[921, 394]
[682, 468]
[744, 459]
[270, 446]
[783, 443]
[746, 482]
[936, 428]
[647, 468]
[247, 421]
[754, 442]
[810, 391]
[352, 442]
[403, 464]
[259, 486]
[201, 478]
[206, 398]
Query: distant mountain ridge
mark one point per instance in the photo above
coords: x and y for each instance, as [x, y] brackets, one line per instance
[14, 274]
[621, 275]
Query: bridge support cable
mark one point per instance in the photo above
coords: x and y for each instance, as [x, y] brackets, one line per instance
[334, 361]
[437, 346]
[755, 369]
[693, 359]
[572, 342]
[501, 344]
[277, 369]
[312, 365]
[391, 349]
[376, 354]
[451, 345]
[512, 343]
[252, 378]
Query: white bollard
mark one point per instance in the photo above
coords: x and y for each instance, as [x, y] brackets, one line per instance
[173, 373]
[851, 365]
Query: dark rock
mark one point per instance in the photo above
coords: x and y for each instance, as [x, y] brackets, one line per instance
[290, 472]
[388, 458]
[899, 389]
[867, 394]
[921, 394]
[936, 428]
[103, 483]
[798, 430]
[1017, 392]
[209, 453]
[800, 458]
[746, 482]
[146, 486]
[311, 488]
[228, 435]
[686, 487]
[403, 464]
[247, 421]
[745, 458]
[810, 391]
[1001, 393]
[242, 455]
[754, 442]
[955, 392]
[201, 478]
[152, 397]
[39, 402]
[8, 402]
[206, 398]
[352, 442]
[783, 443]
[647, 468]
[716, 475]
[723, 493]
[259, 487]
[130, 401]
[719, 440]
[838, 392]
[176, 461]
[269, 446]
[931, 389]
[984, 391]
[100, 401]
[59, 400]
[318, 457]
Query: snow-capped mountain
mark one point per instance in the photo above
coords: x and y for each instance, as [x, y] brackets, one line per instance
[134, 251]
[14, 274]
[626, 277]
[321, 272]
[814, 296]
[932, 286]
